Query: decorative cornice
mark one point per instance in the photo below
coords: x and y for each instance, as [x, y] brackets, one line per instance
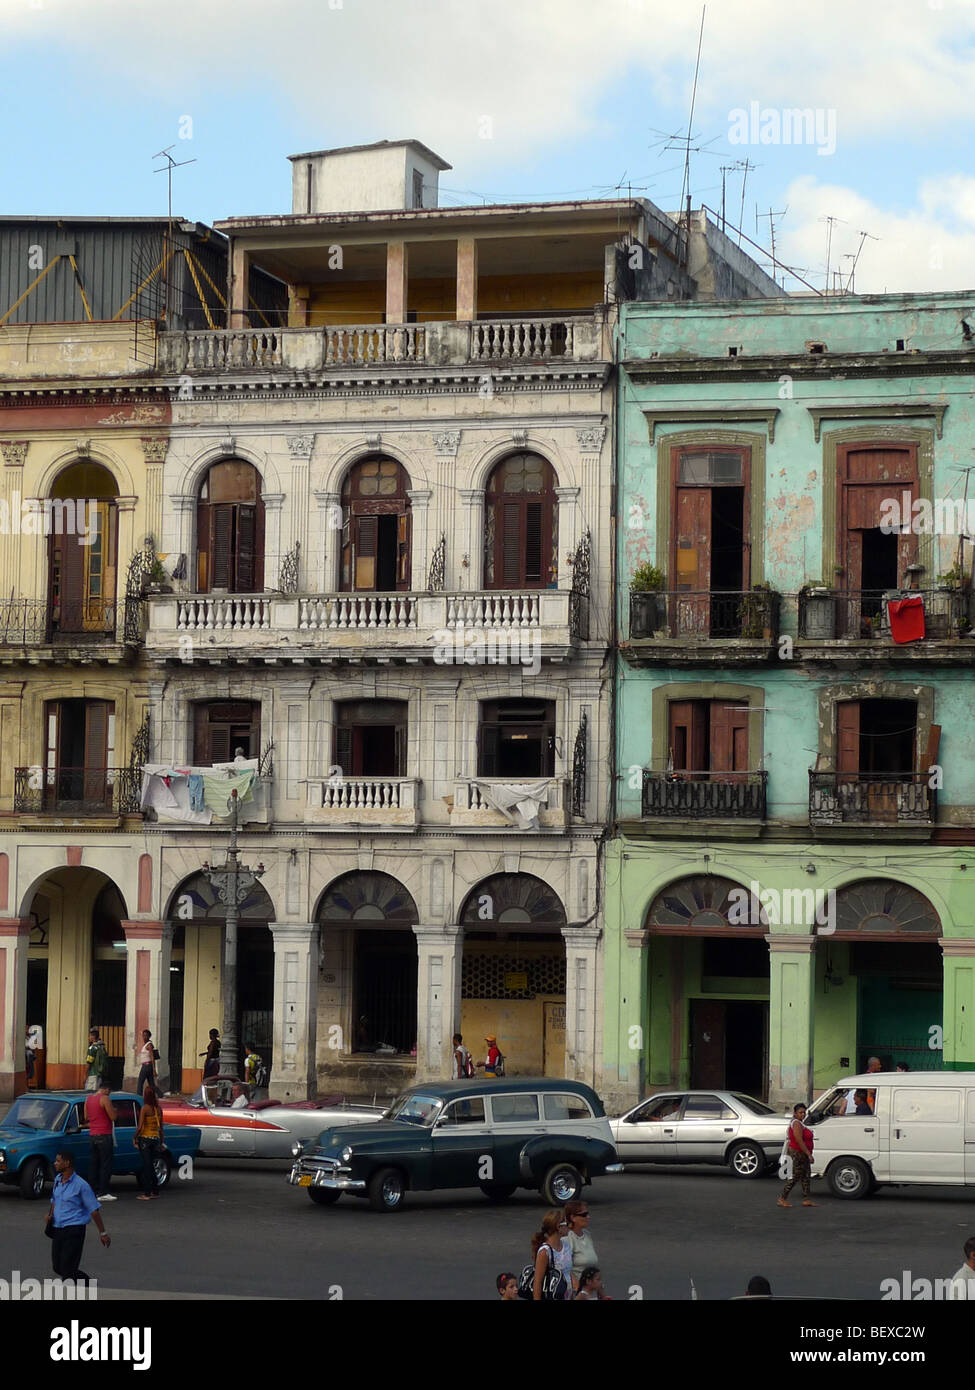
[722, 415]
[934, 410]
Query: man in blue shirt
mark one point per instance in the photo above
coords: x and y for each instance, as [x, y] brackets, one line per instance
[73, 1205]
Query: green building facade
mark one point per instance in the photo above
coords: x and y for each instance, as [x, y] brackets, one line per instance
[791, 888]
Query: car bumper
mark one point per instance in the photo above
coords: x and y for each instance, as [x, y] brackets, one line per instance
[614, 1168]
[333, 1180]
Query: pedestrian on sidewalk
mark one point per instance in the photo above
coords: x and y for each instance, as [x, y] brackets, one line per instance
[591, 1286]
[149, 1141]
[579, 1240]
[73, 1205]
[463, 1062]
[493, 1063]
[508, 1288]
[800, 1154]
[147, 1062]
[553, 1259]
[211, 1067]
[101, 1130]
[96, 1060]
[29, 1056]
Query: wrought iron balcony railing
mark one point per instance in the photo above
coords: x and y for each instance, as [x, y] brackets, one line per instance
[862, 615]
[871, 798]
[746, 614]
[29, 622]
[77, 791]
[705, 795]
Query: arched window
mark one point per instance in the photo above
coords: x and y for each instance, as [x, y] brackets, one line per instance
[521, 536]
[230, 529]
[376, 527]
[83, 549]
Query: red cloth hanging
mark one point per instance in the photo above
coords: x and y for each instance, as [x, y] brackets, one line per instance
[906, 618]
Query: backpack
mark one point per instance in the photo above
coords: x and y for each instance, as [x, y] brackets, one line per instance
[499, 1064]
[467, 1067]
[260, 1073]
[98, 1053]
[553, 1281]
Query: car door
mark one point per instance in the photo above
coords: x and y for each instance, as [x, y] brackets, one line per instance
[706, 1127]
[970, 1138]
[926, 1134]
[463, 1148]
[231, 1133]
[77, 1139]
[648, 1134]
[515, 1118]
[127, 1157]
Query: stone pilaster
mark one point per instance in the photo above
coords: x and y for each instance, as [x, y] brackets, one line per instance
[148, 953]
[791, 1018]
[14, 938]
[581, 1001]
[440, 952]
[295, 1009]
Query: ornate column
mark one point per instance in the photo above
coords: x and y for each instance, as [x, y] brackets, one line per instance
[127, 546]
[792, 1015]
[14, 938]
[295, 1009]
[273, 503]
[581, 1001]
[958, 1017]
[328, 544]
[419, 543]
[300, 447]
[148, 953]
[183, 510]
[14, 453]
[154, 448]
[440, 953]
[472, 499]
[568, 531]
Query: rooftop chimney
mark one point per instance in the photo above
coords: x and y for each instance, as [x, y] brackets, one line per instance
[389, 176]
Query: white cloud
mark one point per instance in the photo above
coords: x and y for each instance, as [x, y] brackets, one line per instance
[928, 247]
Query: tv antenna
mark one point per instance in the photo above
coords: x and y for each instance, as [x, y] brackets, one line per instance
[855, 256]
[829, 220]
[167, 169]
[686, 183]
[771, 216]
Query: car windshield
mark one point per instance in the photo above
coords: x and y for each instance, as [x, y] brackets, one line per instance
[833, 1102]
[37, 1112]
[415, 1110]
[753, 1106]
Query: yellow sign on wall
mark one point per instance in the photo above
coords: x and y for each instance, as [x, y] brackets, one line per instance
[515, 981]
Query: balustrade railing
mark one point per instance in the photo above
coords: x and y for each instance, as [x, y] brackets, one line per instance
[222, 613]
[871, 798]
[342, 612]
[518, 340]
[713, 795]
[364, 344]
[364, 793]
[493, 610]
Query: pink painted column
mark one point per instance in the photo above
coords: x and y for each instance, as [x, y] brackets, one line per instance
[397, 272]
[14, 938]
[148, 951]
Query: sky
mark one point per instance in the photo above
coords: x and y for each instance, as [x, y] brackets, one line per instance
[527, 100]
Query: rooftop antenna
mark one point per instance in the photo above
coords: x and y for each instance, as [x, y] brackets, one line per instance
[864, 237]
[686, 185]
[829, 220]
[746, 166]
[167, 169]
[968, 470]
[771, 230]
[725, 170]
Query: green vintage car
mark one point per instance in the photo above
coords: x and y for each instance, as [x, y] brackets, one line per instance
[549, 1136]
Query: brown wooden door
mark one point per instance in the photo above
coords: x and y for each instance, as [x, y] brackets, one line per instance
[692, 559]
[848, 736]
[688, 751]
[96, 748]
[728, 737]
[707, 1044]
[869, 476]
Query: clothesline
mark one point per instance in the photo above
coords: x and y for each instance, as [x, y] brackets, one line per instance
[196, 795]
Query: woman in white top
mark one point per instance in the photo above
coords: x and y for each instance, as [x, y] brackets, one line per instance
[579, 1240]
[147, 1062]
[549, 1249]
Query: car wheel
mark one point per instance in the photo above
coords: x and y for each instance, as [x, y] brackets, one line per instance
[33, 1175]
[163, 1168]
[561, 1184]
[324, 1196]
[850, 1178]
[498, 1191]
[747, 1160]
[386, 1190]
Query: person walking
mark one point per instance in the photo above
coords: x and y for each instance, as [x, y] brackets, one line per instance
[963, 1280]
[101, 1129]
[507, 1286]
[463, 1065]
[493, 1064]
[96, 1061]
[800, 1153]
[551, 1252]
[590, 1286]
[211, 1067]
[29, 1057]
[73, 1205]
[149, 1141]
[147, 1063]
[579, 1240]
[255, 1073]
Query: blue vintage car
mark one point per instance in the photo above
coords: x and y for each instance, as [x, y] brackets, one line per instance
[37, 1127]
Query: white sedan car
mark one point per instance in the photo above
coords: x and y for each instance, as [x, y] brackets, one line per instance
[702, 1127]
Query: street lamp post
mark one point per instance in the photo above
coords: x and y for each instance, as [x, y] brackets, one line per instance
[232, 882]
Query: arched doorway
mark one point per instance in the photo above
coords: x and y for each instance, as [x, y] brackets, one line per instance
[367, 922]
[376, 527]
[76, 972]
[196, 972]
[886, 949]
[708, 986]
[230, 529]
[513, 977]
[521, 535]
[83, 551]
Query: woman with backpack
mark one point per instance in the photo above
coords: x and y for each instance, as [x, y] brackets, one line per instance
[553, 1259]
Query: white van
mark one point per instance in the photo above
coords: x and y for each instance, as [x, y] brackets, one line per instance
[895, 1127]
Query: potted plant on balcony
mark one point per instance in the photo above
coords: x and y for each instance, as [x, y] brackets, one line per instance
[648, 605]
[819, 608]
[948, 605]
[157, 580]
[755, 612]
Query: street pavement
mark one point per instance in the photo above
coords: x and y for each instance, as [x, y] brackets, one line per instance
[240, 1231]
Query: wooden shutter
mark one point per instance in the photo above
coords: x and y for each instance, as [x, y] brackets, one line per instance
[245, 578]
[343, 749]
[729, 737]
[509, 569]
[72, 590]
[220, 749]
[221, 545]
[692, 538]
[366, 543]
[688, 735]
[201, 735]
[96, 744]
[534, 548]
[487, 759]
[403, 550]
[848, 736]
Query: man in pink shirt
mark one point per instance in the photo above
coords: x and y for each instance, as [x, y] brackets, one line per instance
[101, 1119]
